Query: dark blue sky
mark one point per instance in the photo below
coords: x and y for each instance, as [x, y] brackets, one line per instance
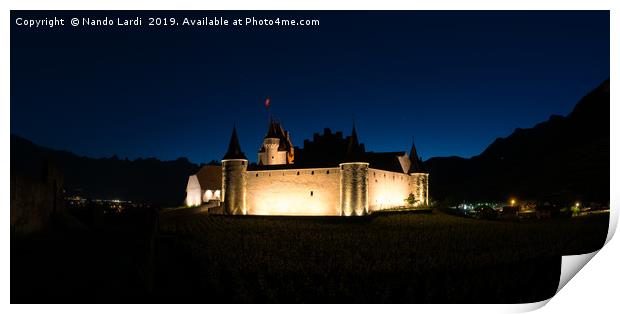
[453, 80]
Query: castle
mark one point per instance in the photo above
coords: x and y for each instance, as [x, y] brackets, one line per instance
[331, 175]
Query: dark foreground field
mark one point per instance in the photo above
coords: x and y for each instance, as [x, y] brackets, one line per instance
[397, 258]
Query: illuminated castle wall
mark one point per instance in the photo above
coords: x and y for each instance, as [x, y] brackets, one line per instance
[314, 191]
[348, 182]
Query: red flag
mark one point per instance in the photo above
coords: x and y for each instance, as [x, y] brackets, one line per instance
[267, 102]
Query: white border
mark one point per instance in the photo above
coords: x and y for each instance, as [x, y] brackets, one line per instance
[594, 291]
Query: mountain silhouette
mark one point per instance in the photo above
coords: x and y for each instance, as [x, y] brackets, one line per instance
[561, 159]
[149, 180]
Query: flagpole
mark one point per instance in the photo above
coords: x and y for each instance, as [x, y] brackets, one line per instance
[268, 107]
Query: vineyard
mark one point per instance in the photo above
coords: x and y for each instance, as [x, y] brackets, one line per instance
[395, 257]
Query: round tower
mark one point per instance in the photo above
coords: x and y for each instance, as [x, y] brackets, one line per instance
[234, 186]
[271, 151]
[354, 189]
[234, 178]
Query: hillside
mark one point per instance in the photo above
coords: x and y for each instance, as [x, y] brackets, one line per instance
[563, 158]
[142, 180]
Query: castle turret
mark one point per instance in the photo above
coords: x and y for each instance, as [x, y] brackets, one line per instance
[354, 179]
[234, 178]
[418, 176]
[270, 154]
[354, 188]
[277, 148]
[415, 160]
[355, 150]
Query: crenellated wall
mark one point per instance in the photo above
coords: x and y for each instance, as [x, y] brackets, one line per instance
[271, 155]
[303, 192]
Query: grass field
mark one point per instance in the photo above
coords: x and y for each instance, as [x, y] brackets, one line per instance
[396, 257]
[187, 256]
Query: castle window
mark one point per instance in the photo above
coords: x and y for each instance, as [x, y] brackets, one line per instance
[327, 171]
[312, 172]
[272, 157]
[311, 193]
[297, 172]
[257, 175]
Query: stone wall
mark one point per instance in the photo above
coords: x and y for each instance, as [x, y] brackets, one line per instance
[35, 199]
[388, 189]
[420, 188]
[304, 192]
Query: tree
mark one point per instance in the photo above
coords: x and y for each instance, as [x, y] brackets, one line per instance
[411, 199]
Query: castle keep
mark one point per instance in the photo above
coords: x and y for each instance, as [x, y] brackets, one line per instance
[331, 175]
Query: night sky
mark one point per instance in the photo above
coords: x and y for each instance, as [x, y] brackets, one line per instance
[453, 80]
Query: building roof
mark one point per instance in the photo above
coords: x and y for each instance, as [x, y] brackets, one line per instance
[416, 161]
[384, 161]
[355, 151]
[275, 130]
[210, 177]
[234, 149]
[329, 150]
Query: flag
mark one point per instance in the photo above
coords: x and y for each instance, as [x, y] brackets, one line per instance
[267, 102]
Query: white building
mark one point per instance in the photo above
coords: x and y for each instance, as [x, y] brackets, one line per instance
[204, 186]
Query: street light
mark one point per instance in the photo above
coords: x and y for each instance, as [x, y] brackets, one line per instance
[512, 202]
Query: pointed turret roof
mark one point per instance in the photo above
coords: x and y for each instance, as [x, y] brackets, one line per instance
[354, 140]
[416, 161]
[354, 151]
[234, 149]
[274, 130]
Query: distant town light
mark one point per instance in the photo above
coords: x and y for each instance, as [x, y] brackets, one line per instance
[577, 204]
[512, 202]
